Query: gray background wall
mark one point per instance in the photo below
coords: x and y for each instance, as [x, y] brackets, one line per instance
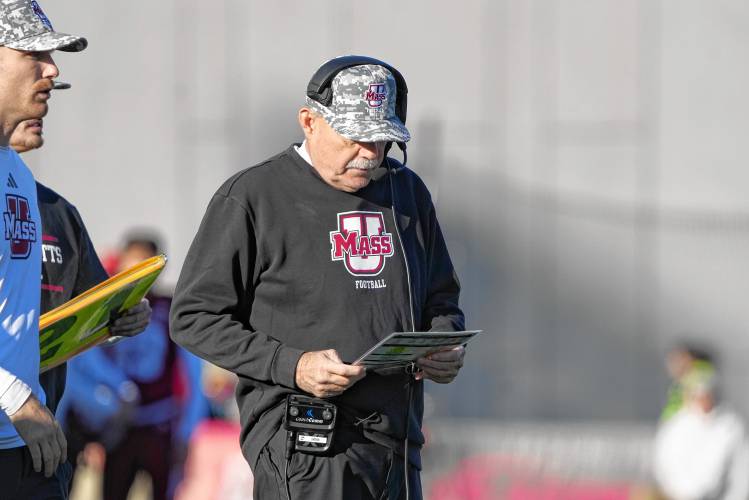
[587, 160]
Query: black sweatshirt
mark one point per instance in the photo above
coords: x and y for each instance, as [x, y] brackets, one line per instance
[70, 266]
[283, 263]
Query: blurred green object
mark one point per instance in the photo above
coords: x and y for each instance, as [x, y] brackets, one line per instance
[700, 373]
[83, 322]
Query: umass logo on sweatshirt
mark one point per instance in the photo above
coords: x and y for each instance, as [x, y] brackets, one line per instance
[20, 228]
[362, 244]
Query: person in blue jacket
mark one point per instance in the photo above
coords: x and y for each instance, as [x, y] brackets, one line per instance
[141, 398]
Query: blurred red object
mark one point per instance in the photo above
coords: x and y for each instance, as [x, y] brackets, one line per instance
[489, 477]
[111, 261]
[215, 468]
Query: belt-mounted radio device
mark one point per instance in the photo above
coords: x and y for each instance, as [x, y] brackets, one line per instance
[310, 422]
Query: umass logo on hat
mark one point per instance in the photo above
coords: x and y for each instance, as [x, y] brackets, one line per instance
[376, 94]
[40, 14]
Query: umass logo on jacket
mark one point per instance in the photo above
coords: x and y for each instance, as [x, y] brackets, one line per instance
[361, 243]
[20, 229]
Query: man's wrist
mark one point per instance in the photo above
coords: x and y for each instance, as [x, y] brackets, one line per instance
[297, 371]
[283, 370]
[15, 397]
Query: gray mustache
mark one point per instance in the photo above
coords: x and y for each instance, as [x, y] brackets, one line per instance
[363, 164]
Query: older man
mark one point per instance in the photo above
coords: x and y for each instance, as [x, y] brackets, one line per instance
[305, 261]
[31, 441]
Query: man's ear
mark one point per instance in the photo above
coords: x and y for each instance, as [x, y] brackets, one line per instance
[307, 121]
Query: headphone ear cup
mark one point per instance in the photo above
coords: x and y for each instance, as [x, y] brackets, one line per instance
[401, 106]
[326, 96]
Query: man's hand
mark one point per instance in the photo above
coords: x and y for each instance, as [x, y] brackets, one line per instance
[133, 321]
[441, 366]
[323, 374]
[42, 434]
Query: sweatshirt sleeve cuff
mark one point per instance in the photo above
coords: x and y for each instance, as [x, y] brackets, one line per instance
[14, 397]
[284, 366]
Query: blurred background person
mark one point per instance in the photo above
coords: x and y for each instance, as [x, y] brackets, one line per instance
[701, 451]
[139, 399]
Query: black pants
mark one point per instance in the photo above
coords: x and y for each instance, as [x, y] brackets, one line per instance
[146, 449]
[355, 469]
[19, 481]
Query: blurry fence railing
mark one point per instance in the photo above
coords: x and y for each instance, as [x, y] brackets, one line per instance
[586, 451]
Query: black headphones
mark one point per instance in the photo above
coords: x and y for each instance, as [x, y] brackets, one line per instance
[319, 88]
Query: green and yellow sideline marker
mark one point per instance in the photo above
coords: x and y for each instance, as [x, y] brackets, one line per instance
[83, 322]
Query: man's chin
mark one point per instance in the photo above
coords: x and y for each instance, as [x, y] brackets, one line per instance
[29, 144]
[354, 185]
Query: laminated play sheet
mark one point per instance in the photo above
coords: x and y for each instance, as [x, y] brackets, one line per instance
[403, 348]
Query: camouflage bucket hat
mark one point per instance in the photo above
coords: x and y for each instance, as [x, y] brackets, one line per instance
[24, 26]
[363, 106]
